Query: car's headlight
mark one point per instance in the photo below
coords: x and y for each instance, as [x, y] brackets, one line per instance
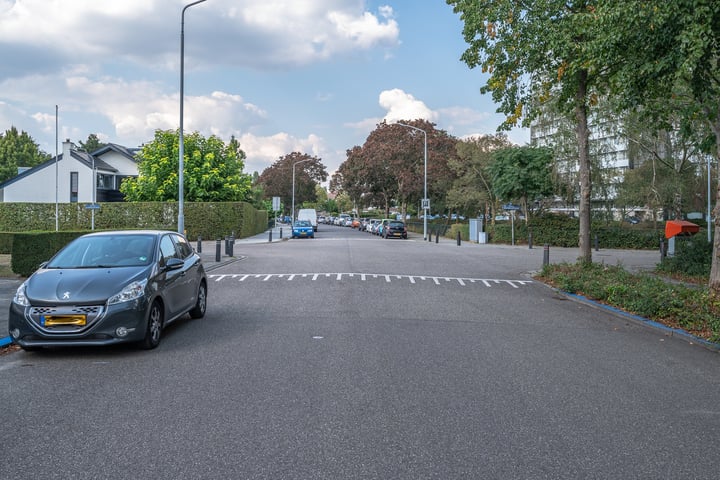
[20, 297]
[130, 292]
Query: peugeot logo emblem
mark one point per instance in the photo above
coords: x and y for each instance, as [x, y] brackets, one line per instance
[66, 295]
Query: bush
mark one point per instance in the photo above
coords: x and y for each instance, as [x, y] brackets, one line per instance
[563, 231]
[693, 258]
[675, 305]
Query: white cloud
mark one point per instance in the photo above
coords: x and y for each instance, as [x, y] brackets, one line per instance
[403, 106]
[263, 151]
[39, 35]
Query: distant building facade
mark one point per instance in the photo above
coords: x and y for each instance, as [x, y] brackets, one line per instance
[75, 176]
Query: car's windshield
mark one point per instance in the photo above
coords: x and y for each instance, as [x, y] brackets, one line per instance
[302, 223]
[105, 251]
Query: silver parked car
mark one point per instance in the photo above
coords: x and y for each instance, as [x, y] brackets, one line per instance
[110, 287]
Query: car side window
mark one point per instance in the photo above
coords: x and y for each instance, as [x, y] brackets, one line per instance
[167, 249]
[183, 247]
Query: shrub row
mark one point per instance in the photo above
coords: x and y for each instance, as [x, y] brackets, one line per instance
[679, 306]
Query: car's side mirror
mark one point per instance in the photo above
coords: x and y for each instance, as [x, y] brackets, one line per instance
[174, 264]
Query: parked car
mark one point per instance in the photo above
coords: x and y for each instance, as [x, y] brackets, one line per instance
[303, 229]
[395, 229]
[370, 224]
[381, 225]
[109, 287]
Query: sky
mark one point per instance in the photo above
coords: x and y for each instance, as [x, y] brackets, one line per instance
[312, 76]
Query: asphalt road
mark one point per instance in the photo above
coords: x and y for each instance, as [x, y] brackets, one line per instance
[349, 356]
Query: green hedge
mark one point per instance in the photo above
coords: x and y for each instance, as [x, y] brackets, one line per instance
[562, 231]
[32, 248]
[39, 240]
[208, 220]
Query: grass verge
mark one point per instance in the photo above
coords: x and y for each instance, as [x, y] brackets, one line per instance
[687, 307]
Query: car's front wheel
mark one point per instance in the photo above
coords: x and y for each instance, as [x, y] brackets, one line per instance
[201, 305]
[154, 326]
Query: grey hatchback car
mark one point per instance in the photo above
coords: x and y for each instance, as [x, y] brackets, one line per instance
[109, 287]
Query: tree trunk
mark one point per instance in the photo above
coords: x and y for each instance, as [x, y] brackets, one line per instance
[714, 280]
[583, 168]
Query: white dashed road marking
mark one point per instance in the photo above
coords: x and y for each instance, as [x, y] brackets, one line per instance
[388, 278]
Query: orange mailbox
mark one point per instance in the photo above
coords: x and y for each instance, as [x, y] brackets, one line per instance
[680, 228]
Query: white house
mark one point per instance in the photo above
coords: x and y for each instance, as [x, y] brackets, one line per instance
[72, 177]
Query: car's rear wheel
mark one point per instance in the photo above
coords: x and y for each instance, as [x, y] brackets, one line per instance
[154, 326]
[201, 305]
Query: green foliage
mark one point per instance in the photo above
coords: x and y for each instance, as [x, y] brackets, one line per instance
[689, 308]
[562, 231]
[277, 179]
[18, 150]
[693, 258]
[206, 219]
[522, 173]
[32, 248]
[6, 242]
[92, 144]
[213, 172]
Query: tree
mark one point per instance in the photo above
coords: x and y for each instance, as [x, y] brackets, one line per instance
[18, 150]
[92, 144]
[535, 51]
[522, 173]
[472, 191]
[390, 166]
[213, 171]
[665, 50]
[277, 179]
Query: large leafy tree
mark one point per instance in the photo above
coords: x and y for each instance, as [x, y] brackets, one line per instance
[277, 179]
[472, 191]
[522, 173]
[534, 51]
[389, 168]
[213, 171]
[18, 149]
[665, 50]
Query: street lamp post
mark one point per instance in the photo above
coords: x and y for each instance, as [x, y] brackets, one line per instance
[293, 188]
[425, 203]
[181, 140]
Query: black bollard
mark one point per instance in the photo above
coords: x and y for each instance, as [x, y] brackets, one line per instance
[227, 246]
[597, 247]
[217, 250]
[199, 244]
[458, 238]
[530, 240]
[280, 233]
[270, 236]
[437, 236]
[231, 244]
[546, 254]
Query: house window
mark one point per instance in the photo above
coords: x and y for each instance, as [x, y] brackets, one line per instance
[73, 186]
[105, 182]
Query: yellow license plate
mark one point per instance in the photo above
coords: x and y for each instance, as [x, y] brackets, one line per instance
[53, 320]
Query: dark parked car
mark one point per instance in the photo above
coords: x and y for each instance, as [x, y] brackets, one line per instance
[110, 287]
[395, 229]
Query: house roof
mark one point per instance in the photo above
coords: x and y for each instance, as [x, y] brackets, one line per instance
[83, 157]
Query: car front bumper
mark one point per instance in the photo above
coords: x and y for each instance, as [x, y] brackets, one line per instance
[29, 327]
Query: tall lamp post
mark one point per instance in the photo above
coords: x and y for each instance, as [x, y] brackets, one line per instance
[181, 140]
[425, 202]
[292, 214]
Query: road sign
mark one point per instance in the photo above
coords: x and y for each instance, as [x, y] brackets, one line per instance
[276, 204]
[426, 204]
[510, 206]
[92, 206]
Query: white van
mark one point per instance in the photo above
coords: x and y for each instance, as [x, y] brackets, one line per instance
[310, 215]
